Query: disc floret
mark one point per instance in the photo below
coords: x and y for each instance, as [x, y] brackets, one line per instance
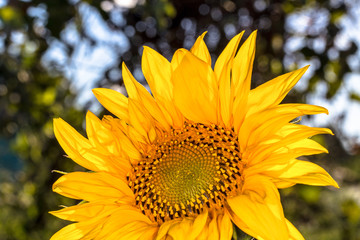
[187, 170]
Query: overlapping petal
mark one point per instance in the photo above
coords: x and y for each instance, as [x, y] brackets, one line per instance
[157, 72]
[141, 120]
[85, 211]
[286, 141]
[258, 210]
[227, 55]
[106, 225]
[223, 72]
[127, 224]
[127, 136]
[200, 49]
[273, 92]
[187, 228]
[256, 127]
[84, 230]
[241, 77]
[93, 187]
[79, 149]
[298, 171]
[219, 227]
[138, 92]
[113, 101]
[73, 231]
[101, 137]
[195, 90]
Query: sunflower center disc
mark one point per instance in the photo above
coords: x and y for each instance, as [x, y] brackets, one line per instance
[187, 170]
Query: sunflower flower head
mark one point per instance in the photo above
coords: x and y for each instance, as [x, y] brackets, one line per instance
[202, 152]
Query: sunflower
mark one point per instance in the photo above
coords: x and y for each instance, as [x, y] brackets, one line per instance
[202, 152]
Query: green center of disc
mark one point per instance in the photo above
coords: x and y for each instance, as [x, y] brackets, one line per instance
[185, 173]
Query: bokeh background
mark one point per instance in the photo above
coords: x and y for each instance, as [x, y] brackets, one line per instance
[53, 52]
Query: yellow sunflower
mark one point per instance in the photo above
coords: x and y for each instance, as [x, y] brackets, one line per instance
[199, 154]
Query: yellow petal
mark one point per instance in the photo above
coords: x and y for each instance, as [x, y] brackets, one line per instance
[294, 233]
[242, 65]
[226, 95]
[188, 228]
[84, 230]
[91, 228]
[198, 224]
[164, 228]
[280, 158]
[195, 90]
[271, 120]
[181, 230]
[214, 230]
[100, 136]
[306, 147]
[138, 92]
[225, 226]
[274, 91]
[205, 233]
[113, 101]
[218, 227]
[132, 231]
[259, 209]
[141, 120]
[92, 187]
[177, 57]
[295, 129]
[200, 49]
[291, 134]
[303, 172]
[241, 76]
[79, 149]
[222, 71]
[169, 107]
[127, 138]
[71, 231]
[157, 72]
[227, 55]
[126, 224]
[85, 211]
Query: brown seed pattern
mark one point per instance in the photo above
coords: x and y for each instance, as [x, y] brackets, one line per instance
[187, 170]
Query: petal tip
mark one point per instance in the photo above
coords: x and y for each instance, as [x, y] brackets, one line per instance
[147, 50]
[254, 33]
[304, 69]
[56, 121]
[203, 34]
[335, 184]
[146, 47]
[326, 111]
[96, 91]
[56, 124]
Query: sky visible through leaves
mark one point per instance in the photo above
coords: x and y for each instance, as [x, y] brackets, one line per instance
[87, 65]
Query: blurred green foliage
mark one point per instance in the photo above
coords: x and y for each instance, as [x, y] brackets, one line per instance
[30, 97]
[34, 90]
